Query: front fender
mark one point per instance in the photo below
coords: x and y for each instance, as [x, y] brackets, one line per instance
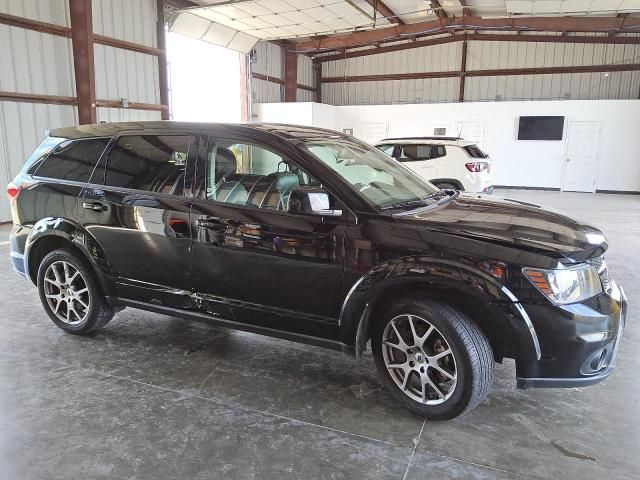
[67, 230]
[435, 275]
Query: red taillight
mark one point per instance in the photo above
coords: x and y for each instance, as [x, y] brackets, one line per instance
[12, 191]
[477, 167]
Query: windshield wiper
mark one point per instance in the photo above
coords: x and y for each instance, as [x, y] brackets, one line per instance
[443, 196]
[420, 201]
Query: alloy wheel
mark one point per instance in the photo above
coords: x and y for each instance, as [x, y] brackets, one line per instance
[66, 292]
[419, 359]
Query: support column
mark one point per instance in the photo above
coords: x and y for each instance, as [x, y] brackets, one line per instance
[162, 60]
[317, 73]
[290, 75]
[82, 42]
[463, 71]
[245, 110]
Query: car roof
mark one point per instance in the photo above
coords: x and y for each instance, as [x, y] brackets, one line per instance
[455, 141]
[284, 131]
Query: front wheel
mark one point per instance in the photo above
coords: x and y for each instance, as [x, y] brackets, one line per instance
[70, 293]
[433, 359]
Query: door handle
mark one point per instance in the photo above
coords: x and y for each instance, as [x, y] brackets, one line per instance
[568, 160]
[95, 206]
[208, 223]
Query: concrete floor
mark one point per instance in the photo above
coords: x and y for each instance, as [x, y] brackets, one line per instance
[152, 396]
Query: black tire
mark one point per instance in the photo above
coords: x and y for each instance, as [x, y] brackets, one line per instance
[98, 313]
[472, 357]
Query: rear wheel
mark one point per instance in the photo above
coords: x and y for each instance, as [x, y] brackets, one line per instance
[432, 358]
[70, 293]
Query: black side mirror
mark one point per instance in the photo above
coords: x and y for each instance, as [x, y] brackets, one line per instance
[311, 201]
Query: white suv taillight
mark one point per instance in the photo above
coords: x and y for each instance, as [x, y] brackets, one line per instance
[12, 191]
[477, 167]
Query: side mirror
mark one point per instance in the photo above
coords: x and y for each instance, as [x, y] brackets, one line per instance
[311, 201]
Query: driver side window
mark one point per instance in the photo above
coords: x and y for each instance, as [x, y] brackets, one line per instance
[247, 174]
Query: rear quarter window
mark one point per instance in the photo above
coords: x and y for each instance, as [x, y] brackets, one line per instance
[72, 160]
[474, 151]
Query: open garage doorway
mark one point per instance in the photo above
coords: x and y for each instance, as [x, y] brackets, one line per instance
[204, 80]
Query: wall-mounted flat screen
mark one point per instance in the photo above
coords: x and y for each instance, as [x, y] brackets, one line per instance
[540, 128]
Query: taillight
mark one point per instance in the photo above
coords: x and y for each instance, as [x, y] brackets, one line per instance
[12, 191]
[477, 167]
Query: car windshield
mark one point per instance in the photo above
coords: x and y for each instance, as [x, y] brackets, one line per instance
[383, 181]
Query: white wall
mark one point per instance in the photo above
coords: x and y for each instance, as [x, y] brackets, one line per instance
[516, 163]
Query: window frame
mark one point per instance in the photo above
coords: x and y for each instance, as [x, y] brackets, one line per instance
[63, 181]
[189, 166]
[203, 157]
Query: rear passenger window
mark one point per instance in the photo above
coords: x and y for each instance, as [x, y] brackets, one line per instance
[417, 153]
[72, 160]
[154, 163]
[246, 174]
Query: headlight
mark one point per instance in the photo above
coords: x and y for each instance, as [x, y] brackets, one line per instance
[566, 285]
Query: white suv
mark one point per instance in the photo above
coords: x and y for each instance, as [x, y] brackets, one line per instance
[447, 162]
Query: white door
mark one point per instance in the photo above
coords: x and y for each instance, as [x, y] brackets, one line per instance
[473, 131]
[581, 157]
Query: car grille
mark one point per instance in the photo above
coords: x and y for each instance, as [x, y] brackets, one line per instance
[600, 264]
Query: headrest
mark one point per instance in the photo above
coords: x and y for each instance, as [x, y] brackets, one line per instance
[287, 182]
[226, 164]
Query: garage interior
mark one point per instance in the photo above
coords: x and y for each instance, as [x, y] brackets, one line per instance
[151, 396]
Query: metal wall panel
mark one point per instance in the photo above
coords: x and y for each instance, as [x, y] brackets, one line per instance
[268, 60]
[50, 11]
[126, 115]
[437, 58]
[266, 92]
[126, 74]
[397, 91]
[130, 20]
[305, 71]
[304, 95]
[483, 56]
[34, 62]
[22, 128]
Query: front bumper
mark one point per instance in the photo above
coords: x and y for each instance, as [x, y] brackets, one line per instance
[579, 342]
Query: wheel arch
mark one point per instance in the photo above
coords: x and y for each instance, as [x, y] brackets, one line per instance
[476, 294]
[453, 181]
[50, 234]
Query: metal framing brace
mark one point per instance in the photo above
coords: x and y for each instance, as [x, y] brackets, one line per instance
[380, 7]
[463, 71]
[454, 24]
[84, 66]
[628, 67]
[290, 75]
[279, 81]
[486, 37]
[438, 10]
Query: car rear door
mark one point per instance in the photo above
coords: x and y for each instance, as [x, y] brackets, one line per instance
[253, 262]
[419, 159]
[137, 211]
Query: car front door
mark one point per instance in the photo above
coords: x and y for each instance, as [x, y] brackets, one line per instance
[252, 261]
[137, 212]
[418, 157]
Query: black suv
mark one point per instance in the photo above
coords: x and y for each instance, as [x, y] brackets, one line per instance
[311, 235]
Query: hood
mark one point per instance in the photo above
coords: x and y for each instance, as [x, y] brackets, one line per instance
[513, 223]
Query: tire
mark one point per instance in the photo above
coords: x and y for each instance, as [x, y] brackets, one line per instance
[65, 279]
[462, 377]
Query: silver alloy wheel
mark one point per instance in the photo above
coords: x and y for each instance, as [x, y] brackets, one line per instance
[419, 359]
[66, 292]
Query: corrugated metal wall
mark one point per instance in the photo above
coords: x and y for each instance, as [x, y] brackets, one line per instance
[269, 60]
[39, 63]
[482, 56]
